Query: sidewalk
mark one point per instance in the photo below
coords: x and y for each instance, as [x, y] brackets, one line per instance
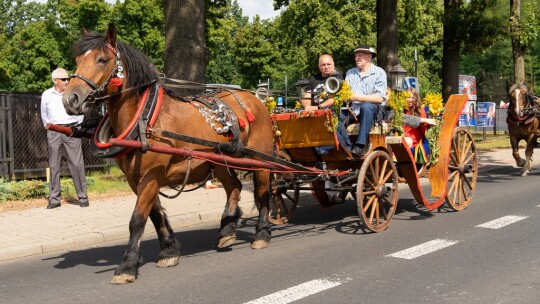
[38, 230]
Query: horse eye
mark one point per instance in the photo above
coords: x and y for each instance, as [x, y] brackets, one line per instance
[102, 60]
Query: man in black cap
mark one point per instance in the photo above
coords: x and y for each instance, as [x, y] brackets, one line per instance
[368, 84]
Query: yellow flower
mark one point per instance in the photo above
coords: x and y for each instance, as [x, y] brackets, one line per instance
[270, 104]
[397, 102]
[341, 96]
[434, 102]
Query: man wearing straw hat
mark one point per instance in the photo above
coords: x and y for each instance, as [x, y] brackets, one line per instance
[368, 83]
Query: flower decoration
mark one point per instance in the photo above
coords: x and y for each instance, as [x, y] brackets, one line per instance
[397, 102]
[297, 105]
[434, 102]
[270, 104]
[341, 96]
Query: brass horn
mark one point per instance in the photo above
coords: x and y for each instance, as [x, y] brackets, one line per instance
[333, 84]
[262, 93]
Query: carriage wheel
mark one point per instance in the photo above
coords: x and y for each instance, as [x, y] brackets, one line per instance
[377, 191]
[463, 170]
[423, 169]
[283, 201]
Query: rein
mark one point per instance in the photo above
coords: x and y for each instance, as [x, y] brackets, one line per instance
[116, 76]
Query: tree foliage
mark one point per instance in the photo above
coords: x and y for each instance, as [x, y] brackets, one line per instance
[37, 37]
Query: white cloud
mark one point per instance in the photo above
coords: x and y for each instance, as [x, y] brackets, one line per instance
[263, 8]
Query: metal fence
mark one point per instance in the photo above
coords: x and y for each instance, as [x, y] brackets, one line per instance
[23, 139]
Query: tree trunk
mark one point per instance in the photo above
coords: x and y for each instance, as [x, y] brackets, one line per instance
[387, 34]
[518, 50]
[451, 48]
[186, 54]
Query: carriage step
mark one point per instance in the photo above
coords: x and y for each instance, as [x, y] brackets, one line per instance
[389, 140]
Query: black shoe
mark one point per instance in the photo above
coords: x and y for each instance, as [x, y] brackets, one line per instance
[84, 202]
[53, 205]
[336, 199]
[360, 151]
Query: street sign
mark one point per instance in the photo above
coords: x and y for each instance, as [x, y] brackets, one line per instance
[411, 82]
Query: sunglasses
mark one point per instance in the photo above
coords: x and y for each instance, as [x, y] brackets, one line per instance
[63, 79]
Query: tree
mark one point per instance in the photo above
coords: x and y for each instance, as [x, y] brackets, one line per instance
[451, 47]
[387, 34]
[186, 54]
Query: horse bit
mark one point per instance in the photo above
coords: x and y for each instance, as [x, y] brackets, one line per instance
[118, 72]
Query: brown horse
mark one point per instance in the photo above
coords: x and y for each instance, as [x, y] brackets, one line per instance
[523, 123]
[115, 72]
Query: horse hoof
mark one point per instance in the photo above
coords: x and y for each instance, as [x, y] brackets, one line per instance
[525, 173]
[168, 262]
[226, 241]
[259, 244]
[123, 279]
[520, 163]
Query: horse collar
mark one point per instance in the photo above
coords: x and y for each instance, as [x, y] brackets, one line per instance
[147, 111]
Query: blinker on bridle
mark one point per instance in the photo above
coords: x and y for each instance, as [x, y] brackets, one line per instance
[117, 72]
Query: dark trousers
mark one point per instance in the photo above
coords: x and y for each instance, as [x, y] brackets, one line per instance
[73, 153]
[367, 114]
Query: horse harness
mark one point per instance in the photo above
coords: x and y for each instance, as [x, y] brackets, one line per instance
[530, 112]
[217, 114]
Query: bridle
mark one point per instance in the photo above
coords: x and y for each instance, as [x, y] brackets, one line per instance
[117, 72]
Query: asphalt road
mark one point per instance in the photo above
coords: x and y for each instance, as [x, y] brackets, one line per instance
[485, 254]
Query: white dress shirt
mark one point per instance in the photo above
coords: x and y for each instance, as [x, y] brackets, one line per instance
[53, 111]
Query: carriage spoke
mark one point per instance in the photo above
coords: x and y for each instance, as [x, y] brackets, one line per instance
[370, 192]
[372, 171]
[463, 148]
[377, 215]
[453, 174]
[381, 176]
[368, 204]
[373, 207]
[468, 182]
[469, 158]
[386, 177]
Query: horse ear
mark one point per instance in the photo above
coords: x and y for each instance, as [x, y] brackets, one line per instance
[84, 31]
[111, 34]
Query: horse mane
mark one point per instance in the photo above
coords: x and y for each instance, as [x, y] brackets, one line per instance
[140, 71]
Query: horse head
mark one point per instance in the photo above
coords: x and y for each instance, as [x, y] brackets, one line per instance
[102, 73]
[518, 98]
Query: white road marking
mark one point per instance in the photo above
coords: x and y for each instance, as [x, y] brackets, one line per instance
[501, 222]
[297, 292]
[422, 249]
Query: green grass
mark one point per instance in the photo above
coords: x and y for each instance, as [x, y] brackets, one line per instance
[100, 184]
[491, 141]
[112, 181]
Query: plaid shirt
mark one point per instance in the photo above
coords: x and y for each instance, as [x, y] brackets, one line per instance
[372, 82]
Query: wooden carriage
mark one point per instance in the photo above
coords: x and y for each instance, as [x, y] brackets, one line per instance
[373, 179]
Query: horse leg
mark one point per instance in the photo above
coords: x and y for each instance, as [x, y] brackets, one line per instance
[232, 212]
[126, 272]
[514, 141]
[170, 248]
[528, 157]
[261, 182]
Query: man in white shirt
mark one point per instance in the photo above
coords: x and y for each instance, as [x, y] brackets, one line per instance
[53, 112]
[368, 83]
